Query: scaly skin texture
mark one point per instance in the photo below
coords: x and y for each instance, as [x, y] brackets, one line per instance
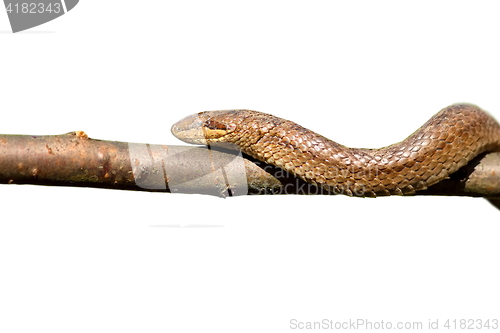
[445, 143]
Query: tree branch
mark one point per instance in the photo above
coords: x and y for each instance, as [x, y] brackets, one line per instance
[73, 159]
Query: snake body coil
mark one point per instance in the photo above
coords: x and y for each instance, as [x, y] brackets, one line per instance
[445, 143]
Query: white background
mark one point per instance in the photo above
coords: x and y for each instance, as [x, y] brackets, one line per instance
[364, 73]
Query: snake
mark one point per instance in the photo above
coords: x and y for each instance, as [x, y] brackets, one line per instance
[444, 144]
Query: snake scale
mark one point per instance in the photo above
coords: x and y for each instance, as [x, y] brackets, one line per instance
[445, 143]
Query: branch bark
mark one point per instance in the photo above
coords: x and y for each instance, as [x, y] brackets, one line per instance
[73, 159]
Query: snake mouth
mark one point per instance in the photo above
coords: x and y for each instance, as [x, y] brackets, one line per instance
[190, 129]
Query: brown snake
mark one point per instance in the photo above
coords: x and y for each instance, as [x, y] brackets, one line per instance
[445, 143]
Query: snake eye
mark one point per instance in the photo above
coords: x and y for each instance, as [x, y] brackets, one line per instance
[216, 130]
[214, 125]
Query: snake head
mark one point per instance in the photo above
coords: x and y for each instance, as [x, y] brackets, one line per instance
[208, 127]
